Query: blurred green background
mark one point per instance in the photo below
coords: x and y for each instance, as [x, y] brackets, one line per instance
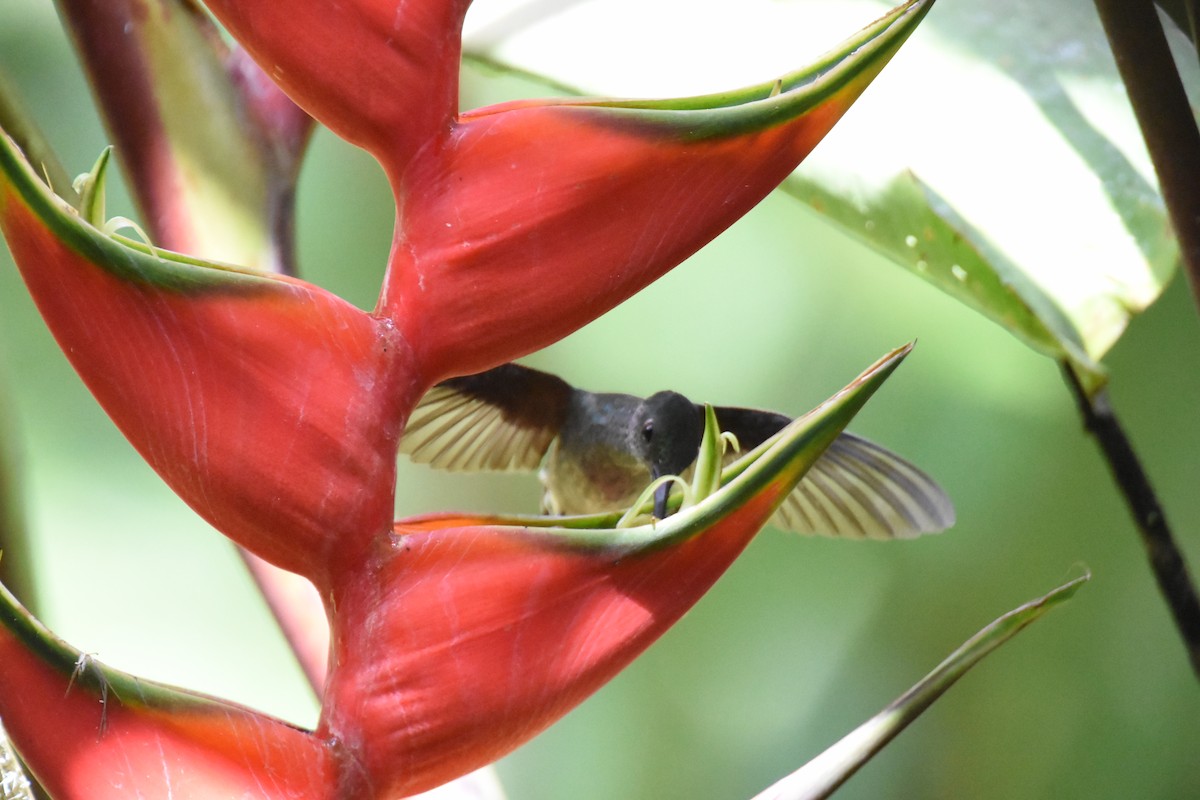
[803, 639]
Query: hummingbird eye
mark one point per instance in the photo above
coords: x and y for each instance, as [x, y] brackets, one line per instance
[648, 430]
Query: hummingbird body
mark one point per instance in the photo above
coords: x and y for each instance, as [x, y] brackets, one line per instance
[599, 451]
[603, 456]
[590, 466]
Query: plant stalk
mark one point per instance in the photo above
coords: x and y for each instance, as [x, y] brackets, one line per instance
[1164, 115]
[1166, 560]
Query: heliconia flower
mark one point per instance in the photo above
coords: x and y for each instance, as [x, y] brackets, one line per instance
[518, 223]
[274, 408]
[268, 404]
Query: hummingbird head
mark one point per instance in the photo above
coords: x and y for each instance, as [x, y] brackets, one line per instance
[666, 435]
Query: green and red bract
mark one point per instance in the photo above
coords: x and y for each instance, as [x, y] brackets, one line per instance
[271, 406]
[519, 627]
[89, 732]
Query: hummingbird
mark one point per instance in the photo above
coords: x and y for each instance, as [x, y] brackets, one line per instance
[597, 452]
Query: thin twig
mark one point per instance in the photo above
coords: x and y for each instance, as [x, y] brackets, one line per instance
[1166, 560]
[1161, 106]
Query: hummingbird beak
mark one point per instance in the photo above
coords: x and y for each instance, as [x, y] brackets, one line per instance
[660, 500]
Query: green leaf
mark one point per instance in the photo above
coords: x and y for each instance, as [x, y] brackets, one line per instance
[996, 157]
[18, 124]
[825, 773]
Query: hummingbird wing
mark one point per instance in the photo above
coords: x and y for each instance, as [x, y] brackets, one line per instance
[503, 419]
[859, 490]
[856, 489]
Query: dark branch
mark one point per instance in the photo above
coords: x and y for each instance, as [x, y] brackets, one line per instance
[1161, 106]
[1166, 561]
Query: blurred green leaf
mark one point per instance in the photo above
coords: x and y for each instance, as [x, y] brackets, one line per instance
[825, 773]
[996, 157]
[19, 124]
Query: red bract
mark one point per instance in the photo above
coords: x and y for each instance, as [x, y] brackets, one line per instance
[543, 624]
[89, 731]
[535, 219]
[274, 408]
[239, 208]
[573, 206]
[381, 74]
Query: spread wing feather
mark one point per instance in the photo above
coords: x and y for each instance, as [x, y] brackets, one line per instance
[856, 490]
[859, 490]
[503, 419]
